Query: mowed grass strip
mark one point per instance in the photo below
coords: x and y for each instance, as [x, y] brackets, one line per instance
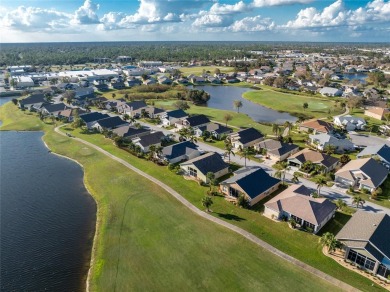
[147, 240]
[292, 103]
[198, 70]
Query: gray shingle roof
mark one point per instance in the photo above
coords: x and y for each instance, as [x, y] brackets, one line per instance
[91, 117]
[151, 139]
[210, 162]
[179, 149]
[197, 120]
[368, 226]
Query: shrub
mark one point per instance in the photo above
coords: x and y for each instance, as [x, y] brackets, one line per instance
[242, 202]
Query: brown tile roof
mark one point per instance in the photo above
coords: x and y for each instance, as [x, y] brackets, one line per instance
[318, 125]
[315, 157]
[377, 110]
[313, 210]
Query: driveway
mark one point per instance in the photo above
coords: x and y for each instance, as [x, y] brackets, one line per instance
[367, 140]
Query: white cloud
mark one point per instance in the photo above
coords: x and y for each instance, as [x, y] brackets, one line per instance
[336, 15]
[228, 9]
[264, 3]
[212, 20]
[34, 19]
[252, 24]
[86, 14]
[111, 20]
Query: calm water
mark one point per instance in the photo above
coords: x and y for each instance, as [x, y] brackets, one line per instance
[47, 217]
[359, 76]
[222, 97]
[5, 99]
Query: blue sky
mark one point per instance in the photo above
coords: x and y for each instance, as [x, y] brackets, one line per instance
[195, 20]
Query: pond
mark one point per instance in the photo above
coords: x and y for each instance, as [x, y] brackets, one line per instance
[223, 97]
[355, 76]
[47, 217]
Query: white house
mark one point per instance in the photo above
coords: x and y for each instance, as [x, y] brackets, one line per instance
[330, 91]
[350, 123]
[320, 141]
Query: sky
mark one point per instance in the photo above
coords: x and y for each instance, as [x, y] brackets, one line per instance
[194, 20]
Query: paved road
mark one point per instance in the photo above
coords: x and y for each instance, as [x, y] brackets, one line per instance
[218, 221]
[367, 140]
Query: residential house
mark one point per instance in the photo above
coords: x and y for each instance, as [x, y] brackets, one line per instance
[296, 203]
[216, 130]
[113, 104]
[316, 126]
[32, 102]
[326, 161]
[171, 117]
[192, 122]
[246, 138]
[210, 162]
[90, 118]
[82, 94]
[164, 80]
[365, 173]
[130, 132]
[154, 112]
[330, 91]
[252, 182]
[320, 142]
[380, 152]
[277, 150]
[108, 124]
[197, 80]
[350, 123]
[133, 109]
[376, 112]
[178, 152]
[148, 140]
[70, 113]
[51, 109]
[365, 240]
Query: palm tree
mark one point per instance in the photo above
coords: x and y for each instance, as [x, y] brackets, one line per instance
[281, 173]
[237, 105]
[207, 202]
[329, 149]
[229, 150]
[340, 204]
[244, 153]
[288, 125]
[358, 201]
[320, 181]
[275, 129]
[329, 240]
[211, 178]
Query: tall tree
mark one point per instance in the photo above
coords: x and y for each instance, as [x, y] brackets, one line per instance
[275, 129]
[320, 181]
[237, 105]
[226, 118]
[244, 153]
[305, 106]
[207, 202]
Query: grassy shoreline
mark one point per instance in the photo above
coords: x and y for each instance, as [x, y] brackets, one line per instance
[205, 257]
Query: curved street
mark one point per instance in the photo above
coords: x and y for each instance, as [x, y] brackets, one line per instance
[209, 217]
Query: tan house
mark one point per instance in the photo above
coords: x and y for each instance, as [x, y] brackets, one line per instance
[200, 166]
[316, 126]
[376, 112]
[246, 138]
[365, 240]
[296, 203]
[298, 159]
[252, 182]
[277, 150]
[365, 173]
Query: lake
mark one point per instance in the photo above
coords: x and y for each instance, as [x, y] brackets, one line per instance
[222, 97]
[353, 76]
[5, 99]
[47, 217]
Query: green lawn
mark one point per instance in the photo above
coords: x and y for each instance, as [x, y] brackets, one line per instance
[301, 245]
[292, 103]
[239, 119]
[147, 240]
[198, 70]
